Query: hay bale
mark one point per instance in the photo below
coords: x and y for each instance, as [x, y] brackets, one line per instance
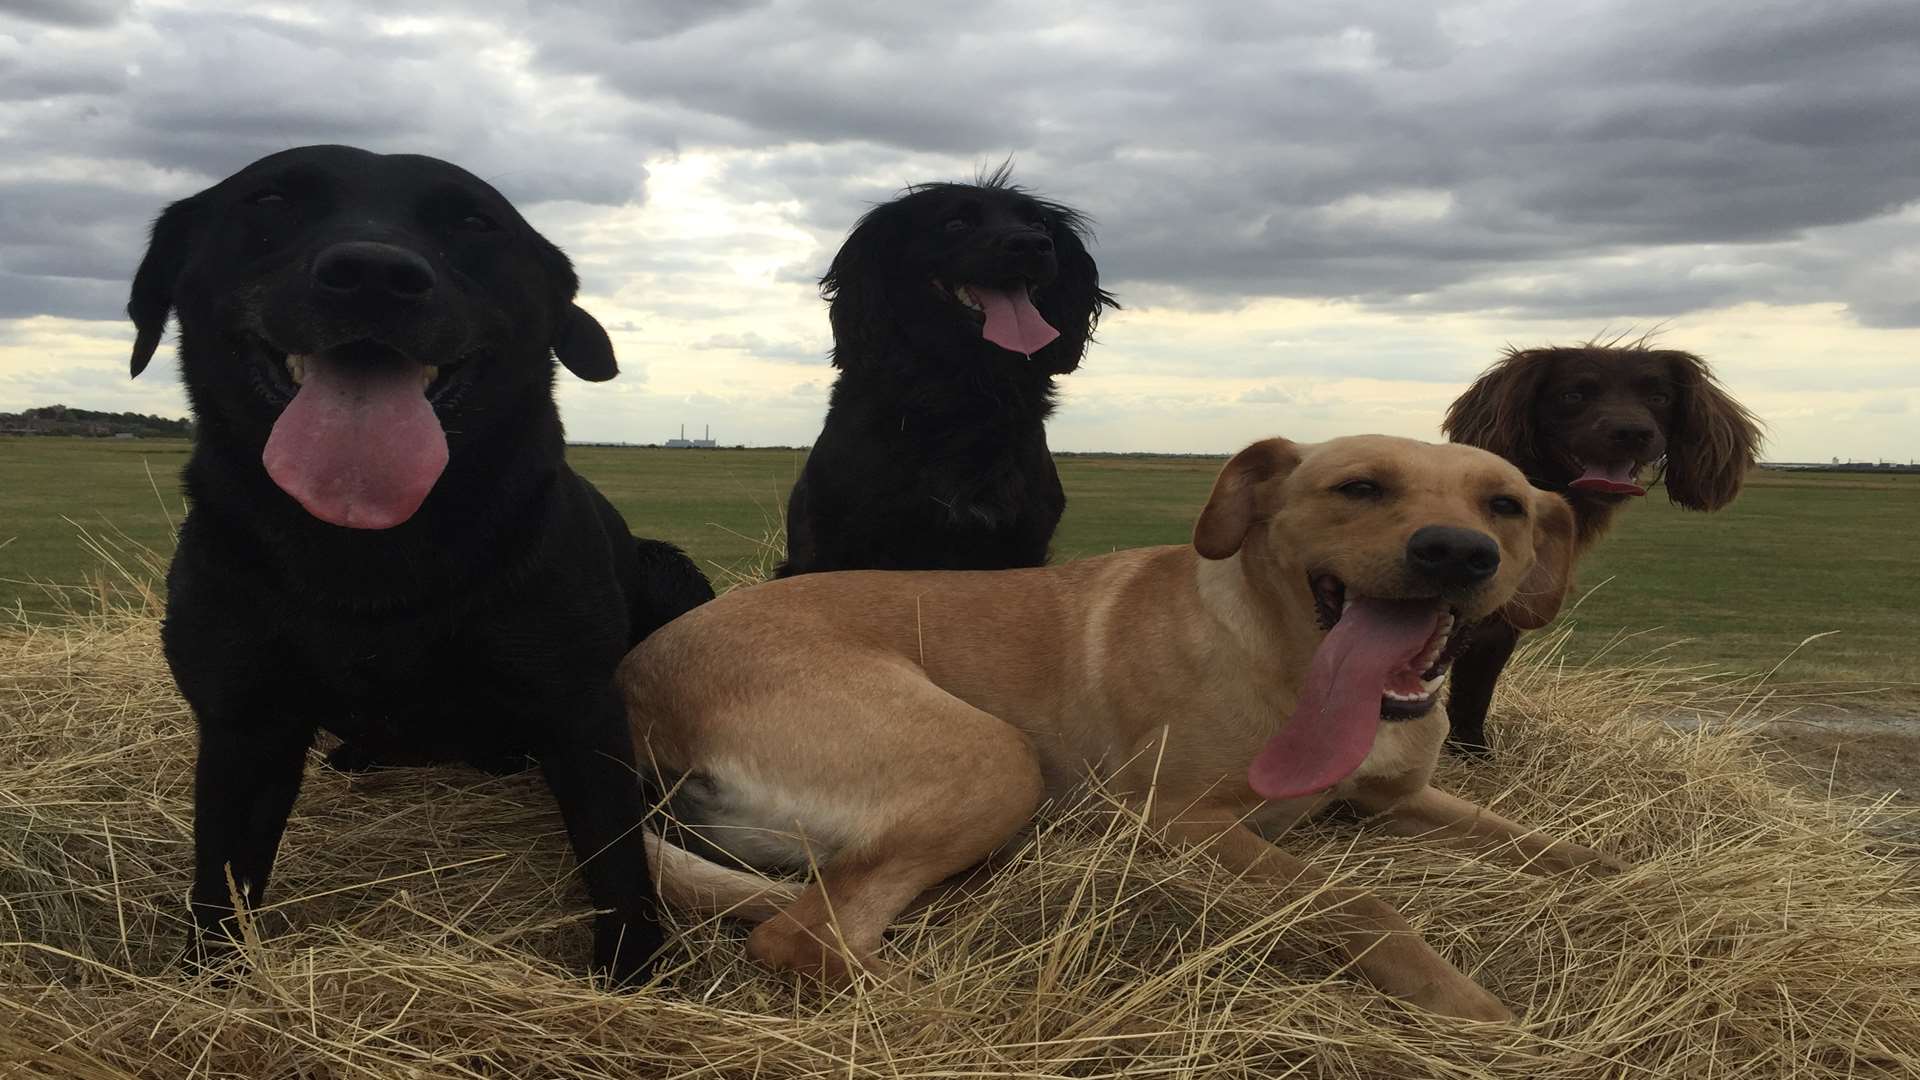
[425, 923]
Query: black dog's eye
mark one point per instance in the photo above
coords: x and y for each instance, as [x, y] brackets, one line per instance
[267, 197]
[1507, 506]
[478, 223]
[958, 224]
[1360, 489]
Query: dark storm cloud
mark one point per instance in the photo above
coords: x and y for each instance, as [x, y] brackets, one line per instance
[1606, 158]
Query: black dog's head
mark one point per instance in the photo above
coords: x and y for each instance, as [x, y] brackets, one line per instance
[1592, 418]
[956, 268]
[347, 314]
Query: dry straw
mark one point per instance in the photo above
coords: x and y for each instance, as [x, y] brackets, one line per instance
[425, 924]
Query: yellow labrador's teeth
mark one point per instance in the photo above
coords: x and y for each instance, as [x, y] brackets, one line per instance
[297, 367]
[431, 373]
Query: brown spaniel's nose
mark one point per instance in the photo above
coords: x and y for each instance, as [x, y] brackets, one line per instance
[1451, 556]
[1631, 436]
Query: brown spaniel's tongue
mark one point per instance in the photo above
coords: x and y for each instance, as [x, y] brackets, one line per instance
[1013, 323]
[359, 445]
[1332, 727]
[1608, 480]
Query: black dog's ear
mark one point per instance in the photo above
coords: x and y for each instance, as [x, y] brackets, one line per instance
[168, 247]
[856, 283]
[579, 340]
[582, 344]
[1714, 441]
[1496, 412]
[1074, 300]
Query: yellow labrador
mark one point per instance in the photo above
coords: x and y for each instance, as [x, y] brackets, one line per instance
[895, 728]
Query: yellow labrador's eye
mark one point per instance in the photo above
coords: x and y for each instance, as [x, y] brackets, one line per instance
[1360, 489]
[1507, 506]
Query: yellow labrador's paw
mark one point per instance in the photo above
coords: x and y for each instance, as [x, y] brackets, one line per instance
[1463, 998]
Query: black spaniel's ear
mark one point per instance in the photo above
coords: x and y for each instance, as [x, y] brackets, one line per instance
[168, 248]
[1074, 300]
[1714, 442]
[1496, 412]
[858, 282]
[579, 340]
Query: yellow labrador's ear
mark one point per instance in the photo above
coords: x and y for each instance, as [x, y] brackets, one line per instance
[1545, 587]
[1235, 505]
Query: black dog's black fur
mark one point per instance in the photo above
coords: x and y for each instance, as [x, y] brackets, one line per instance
[484, 627]
[934, 454]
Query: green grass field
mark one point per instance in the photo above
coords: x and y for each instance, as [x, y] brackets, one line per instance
[1798, 555]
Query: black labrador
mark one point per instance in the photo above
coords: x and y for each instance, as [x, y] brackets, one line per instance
[384, 539]
[953, 308]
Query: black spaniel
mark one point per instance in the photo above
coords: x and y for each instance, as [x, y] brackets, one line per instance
[953, 308]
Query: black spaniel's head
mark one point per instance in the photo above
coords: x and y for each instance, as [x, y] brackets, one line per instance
[951, 270]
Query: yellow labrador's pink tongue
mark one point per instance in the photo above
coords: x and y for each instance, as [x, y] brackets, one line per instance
[1333, 725]
[1608, 480]
[1013, 323]
[359, 445]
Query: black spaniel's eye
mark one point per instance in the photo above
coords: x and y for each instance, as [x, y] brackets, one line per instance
[958, 224]
[478, 223]
[1507, 506]
[1041, 224]
[1360, 489]
[267, 197]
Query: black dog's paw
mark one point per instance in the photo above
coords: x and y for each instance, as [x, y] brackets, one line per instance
[1476, 750]
[213, 955]
[625, 954]
[352, 758]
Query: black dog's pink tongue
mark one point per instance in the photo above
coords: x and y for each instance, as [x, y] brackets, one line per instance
[1333, 725]
[1013, 323]
[1608, 480]
[359, 445]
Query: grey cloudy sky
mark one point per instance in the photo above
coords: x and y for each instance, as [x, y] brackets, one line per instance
[1322, 216]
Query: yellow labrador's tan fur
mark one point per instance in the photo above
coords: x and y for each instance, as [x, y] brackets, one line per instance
[895, 728]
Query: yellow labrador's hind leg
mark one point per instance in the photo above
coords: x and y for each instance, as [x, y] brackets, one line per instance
[966, 782]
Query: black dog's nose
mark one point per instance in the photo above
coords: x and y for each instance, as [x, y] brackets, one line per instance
[366, 269]
[1452, 556]
[1027, 242]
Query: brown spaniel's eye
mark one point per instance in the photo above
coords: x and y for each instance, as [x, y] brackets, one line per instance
[1360, 489]
[1572, 397]
[1507, 506]
[1658, 398]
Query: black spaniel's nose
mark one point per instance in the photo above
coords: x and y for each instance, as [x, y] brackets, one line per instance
[1446, 555]
[364, 269]
[1027, 242]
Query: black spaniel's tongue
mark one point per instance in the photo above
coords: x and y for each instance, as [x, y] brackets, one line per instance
[1013, 323]
[1616, 479]
[1334, 722]
[359, 445]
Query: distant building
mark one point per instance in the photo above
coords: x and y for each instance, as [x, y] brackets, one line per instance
[684, 443]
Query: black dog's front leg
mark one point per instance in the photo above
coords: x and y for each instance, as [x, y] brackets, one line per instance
[1475, 674]
[590, 769]
[244, 786]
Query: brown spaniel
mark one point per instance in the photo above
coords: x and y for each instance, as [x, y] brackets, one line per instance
[1595, 423]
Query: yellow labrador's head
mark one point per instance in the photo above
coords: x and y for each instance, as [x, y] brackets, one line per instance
[1401, 545]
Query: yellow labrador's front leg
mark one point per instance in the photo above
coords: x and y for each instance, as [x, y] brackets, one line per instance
[1386, 949]
[1433, 814]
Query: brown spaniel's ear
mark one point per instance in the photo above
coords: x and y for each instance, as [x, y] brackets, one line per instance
[1236, 504]
[1714, 441]
[1496, 412]
[1545, 587]
[152, 297]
